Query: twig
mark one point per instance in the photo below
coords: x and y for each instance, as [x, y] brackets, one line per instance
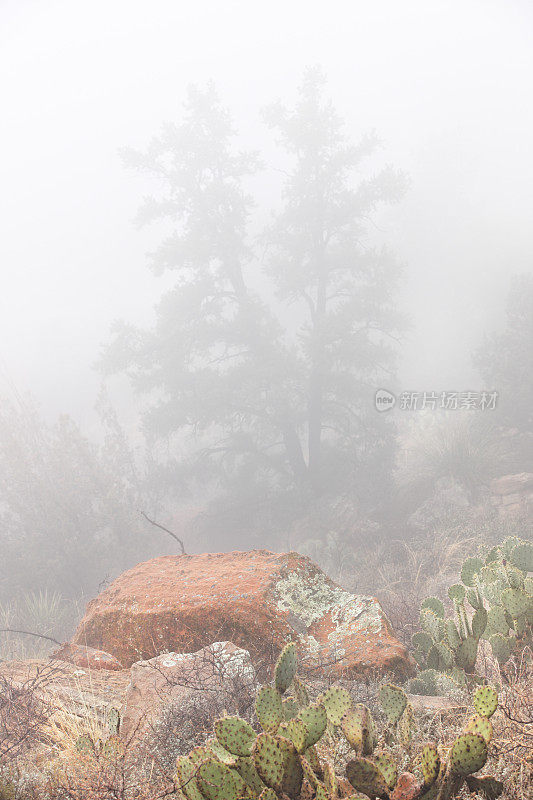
[162, 527]
[30, 633]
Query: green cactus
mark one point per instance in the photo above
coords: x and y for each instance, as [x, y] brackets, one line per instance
[494, 602]
[290, 708]
[336, 700]
[521, 556]
[85, 744]
[430, 763]
[501, 648]
[393, 701]
[485, 701]
[516, 602]
[113, 721]
[435, 605]
[457, 593]
[285, 669]
[315, 719]
[470, 569]
[235, 735]
[300, 692]
[269, 709]
[366, 777]
[468, 754]
[481, 725]
[239, 764]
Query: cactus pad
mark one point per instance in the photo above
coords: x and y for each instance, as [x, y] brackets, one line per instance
[278, 764]
[485, 701]
[479, 622]
[290, 708]
[393, 701]
[246, 769]
[435, 605]
[216, 781]
[481, 725]
[113, 747]
[387, 767]
[285, 668]
[468, 754]
[352, 727]
[235, 735]
[422, 641]
[406, 726]
[452, 634]
[309, 773]
[521, 556]
[496, 621]
[457, 592]
[113, 721]
[186, 772]
[331, 783]
[269, 760]
[300, 692]
[366, 777]
[336, 700]
[501, 648]
[430, 763]
[314, 719]
[466, 654]
[516, 602]
[269, 709]
[429, 622]
[220, 752]
[297, 732]
[470, 568]
[85, 744]
[369, 731]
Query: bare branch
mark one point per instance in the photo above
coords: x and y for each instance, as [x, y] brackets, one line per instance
[170, 533]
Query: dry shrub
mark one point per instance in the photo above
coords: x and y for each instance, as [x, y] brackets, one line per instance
[513, 729]
[24, 712]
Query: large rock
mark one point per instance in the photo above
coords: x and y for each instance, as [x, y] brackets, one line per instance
[183, 688]
[513, 484]
[512, 495]
[259, 600]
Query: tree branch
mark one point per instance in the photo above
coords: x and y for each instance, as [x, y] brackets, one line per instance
[31, 633]
[170, 533]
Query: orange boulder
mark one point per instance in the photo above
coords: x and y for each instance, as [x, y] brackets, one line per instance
[259, 600]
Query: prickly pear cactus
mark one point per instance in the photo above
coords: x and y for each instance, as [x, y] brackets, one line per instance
[285, 758]
[493, 602]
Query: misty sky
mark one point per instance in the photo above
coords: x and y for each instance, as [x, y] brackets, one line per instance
[447, 85]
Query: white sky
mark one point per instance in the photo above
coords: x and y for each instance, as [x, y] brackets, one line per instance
[447, 85]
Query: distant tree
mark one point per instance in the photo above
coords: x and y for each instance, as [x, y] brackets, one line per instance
[266, 391]
[505, 359]
[68, 508]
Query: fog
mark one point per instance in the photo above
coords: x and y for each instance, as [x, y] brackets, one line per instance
[446, 85]
[266, 398]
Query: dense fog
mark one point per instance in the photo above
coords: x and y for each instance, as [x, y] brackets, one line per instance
[224, 228]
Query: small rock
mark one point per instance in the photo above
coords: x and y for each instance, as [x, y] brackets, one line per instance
[221, 673]
[87, 657]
